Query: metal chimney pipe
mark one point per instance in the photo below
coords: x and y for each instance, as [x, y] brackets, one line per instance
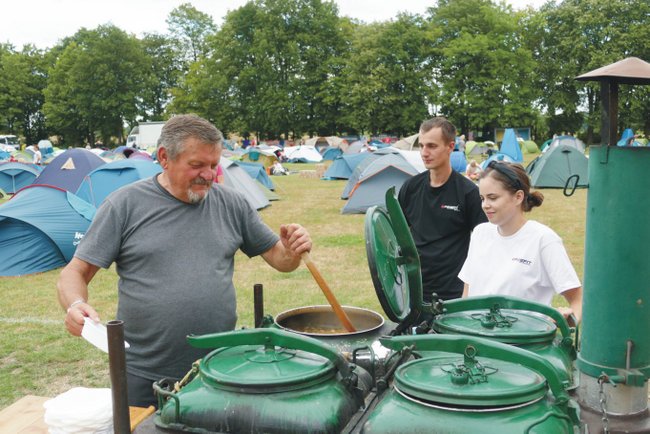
[117, 367]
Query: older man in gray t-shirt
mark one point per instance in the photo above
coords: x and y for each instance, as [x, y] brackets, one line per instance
[173, 238]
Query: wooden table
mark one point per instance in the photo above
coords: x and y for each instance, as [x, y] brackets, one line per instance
[25, 416]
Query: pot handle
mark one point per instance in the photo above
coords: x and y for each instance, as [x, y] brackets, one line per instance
[515, 303]
[485, 348]
[271, 337]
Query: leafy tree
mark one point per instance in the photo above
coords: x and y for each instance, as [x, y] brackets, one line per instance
[94, 86]
[272, 69]
[580, 36]
[22, 79]
[387, 76]
[164, 72]
[481, 66]
[189, 28]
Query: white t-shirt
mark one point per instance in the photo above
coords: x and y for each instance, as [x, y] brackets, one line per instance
[530, 264]
[37, 157]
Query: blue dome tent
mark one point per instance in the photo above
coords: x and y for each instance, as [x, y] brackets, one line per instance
[344, 165]
[109, 177]
[628, 139]
[14, 176]
[498, 157]
[68, 170]
[40, 228]
[257, 172]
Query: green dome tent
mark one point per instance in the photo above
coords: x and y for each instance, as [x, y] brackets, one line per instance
[529, 147]
[553, 168]
[473, 148]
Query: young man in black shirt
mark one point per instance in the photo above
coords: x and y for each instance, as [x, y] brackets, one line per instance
[442, 207]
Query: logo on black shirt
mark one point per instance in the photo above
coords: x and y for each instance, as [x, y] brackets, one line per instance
[455, 208]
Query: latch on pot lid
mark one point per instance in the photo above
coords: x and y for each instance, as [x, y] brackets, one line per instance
[394, 262]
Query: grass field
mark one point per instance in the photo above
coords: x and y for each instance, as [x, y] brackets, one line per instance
[38, 356]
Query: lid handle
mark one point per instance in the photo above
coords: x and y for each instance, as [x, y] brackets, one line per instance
[271, 338]
[484, 348]
[515, 303]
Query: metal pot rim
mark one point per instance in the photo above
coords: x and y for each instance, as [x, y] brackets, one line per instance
[350, 310]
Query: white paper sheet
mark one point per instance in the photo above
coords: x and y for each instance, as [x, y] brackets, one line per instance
[95, 333]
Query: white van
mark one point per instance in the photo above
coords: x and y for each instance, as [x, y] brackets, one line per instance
[9, 142]
[144, 135]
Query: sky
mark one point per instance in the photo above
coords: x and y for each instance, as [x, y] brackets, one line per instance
[44, 22]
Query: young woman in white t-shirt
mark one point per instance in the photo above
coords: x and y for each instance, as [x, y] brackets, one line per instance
[512, 255]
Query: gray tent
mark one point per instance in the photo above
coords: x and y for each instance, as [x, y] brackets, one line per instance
[237, 178]
[375, 177]
[553, 168]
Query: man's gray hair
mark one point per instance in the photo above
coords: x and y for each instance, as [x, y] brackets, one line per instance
[448, 129]
[182, 127]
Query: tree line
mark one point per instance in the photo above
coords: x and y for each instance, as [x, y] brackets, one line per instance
[288, 68]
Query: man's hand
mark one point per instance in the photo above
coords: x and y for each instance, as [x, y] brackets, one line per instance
[74, 319]
[295, 239]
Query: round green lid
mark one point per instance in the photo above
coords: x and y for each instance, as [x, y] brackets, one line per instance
[263, 367]
[394, 264]
[507, 326]
[475, 381]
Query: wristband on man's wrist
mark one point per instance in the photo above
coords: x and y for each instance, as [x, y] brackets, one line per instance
[74, 303]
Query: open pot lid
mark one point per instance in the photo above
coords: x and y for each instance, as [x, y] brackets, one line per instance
[504, 325]
[469, 382]
[393, 260]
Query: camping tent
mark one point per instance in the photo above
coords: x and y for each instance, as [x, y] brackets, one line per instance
[628, 139]
[14, 176]
[458, 161]
[553, 168]
[409, 143]
[24, 157]
[67, 171]
[529, 147]
[40, 228]
[473, 148]
[237, 178]
[375, 176]
[259, 155]
[257, 172]
[303, 154]
[109, 177]
[330, 153]
[45, 146]
[510, 146]
[568, 141]
[344, 165]
[356, 147]
[323, 142]
[497, 157]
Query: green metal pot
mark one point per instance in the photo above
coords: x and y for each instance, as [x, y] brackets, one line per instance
[492, 388]
[509, 320]
[395, 269]
[262, 380]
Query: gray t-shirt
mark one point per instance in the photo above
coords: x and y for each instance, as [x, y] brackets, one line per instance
[175, 264]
